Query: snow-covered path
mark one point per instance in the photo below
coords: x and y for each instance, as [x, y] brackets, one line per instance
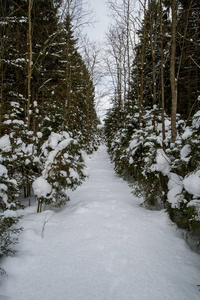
[102, 246]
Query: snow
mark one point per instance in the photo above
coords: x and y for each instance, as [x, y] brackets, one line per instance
[20, 122]
[188, 133]
[39, 135]
[5, 144]
[73, 173]
[196, 120]
[194, 203]
[8, 122]
[3, 187]
[41, 187]
[54, 139]
[175, 187]
[9, 213]
[103, 245]
[56, 142]
[185, 151]
[27, 161]
[3, 170]
[133, 144]
[162, 162]
[131, 161]
[192, 184]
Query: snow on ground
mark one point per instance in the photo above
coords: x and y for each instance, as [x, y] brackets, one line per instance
[101, 246]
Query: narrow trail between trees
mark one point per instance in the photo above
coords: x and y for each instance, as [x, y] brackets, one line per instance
[101, 246]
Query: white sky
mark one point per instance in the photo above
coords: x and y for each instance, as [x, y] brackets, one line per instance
[100, 14]
[96, 32]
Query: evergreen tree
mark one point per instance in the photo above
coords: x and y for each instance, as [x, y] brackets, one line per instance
[62, 170]
[188, 38]
[75, 89]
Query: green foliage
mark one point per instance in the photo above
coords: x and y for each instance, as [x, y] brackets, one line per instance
[19, 154]
[185, 217]
[8, 235]
[186, 163]
[9, 191]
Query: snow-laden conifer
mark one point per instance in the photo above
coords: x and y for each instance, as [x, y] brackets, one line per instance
[63, 169]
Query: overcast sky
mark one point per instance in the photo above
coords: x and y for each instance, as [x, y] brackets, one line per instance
[97, 33]
[100, 14]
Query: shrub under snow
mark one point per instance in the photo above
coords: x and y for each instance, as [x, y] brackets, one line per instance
[63, 166]
[170, 178]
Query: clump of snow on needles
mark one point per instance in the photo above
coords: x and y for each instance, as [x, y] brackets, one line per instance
[188, 133]
[55, 139]
[196, 120]
[192, 184]
[5, 143]
[60, 146]
[162, 162]
[3, 170]
[41, 187]
[39, 134]
[10, 213]
[185, 151]
[175, 187]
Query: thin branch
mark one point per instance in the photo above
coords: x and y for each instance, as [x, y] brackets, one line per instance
[195, 62]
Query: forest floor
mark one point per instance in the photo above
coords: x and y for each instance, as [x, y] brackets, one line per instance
[101, 246]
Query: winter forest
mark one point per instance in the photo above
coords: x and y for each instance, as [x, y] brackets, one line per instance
[51, 76]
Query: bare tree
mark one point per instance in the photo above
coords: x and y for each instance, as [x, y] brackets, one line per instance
[123, 12]
[153, 12]
[91, 52]
[114, 59]
[79, 13]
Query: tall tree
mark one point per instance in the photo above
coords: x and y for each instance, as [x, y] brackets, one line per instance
[173, 79]
[30, 58]
[162, 75]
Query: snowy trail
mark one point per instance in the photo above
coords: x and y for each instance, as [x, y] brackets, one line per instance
[102, 246]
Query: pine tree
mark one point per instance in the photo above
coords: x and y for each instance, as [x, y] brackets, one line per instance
[62, 170]
[75, 88]
[189, 63]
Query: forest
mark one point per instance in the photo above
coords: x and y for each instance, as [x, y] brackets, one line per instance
[153, 128]
[47, 110]
[48, 120]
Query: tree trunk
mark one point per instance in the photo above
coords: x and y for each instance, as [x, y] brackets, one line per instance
[141, 102]
[162, 79]
[153, 43]
[30, 4]
[1, 99]
[173, 79]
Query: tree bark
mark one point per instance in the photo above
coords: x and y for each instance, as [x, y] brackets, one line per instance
[153, 43]
[162, 78]
[141, 102]
[173, 79]
[30, 4]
